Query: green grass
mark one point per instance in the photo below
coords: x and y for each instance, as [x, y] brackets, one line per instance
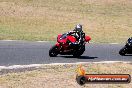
[105, 21]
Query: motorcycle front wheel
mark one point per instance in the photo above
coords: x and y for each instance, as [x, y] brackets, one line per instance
[53, 51]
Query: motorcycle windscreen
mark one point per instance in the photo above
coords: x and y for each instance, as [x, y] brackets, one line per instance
[62, 38]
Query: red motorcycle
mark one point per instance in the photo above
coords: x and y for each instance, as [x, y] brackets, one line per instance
[64, 47]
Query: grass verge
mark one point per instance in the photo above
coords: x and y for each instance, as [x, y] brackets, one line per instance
[63, 76]
[104, 20]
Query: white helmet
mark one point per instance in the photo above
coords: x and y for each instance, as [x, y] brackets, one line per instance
[78, 28]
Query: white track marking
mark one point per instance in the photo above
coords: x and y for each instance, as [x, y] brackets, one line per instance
[107, 62]
[21, 41]
[20, 66]
[113, 43]
[42, 41]
[54, 64]
[9, 40]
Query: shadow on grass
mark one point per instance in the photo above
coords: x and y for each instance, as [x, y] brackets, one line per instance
[81, 57]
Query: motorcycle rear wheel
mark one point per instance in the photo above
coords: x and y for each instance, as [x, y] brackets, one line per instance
[79, 52]
[53, 51]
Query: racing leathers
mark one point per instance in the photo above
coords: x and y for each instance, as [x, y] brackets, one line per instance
[80, 37]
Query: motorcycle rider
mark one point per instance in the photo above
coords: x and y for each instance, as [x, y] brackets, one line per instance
[78, 34]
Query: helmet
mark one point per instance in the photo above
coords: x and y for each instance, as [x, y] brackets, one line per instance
[78, 28]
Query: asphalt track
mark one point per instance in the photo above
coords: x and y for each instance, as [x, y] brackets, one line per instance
[24, 53]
